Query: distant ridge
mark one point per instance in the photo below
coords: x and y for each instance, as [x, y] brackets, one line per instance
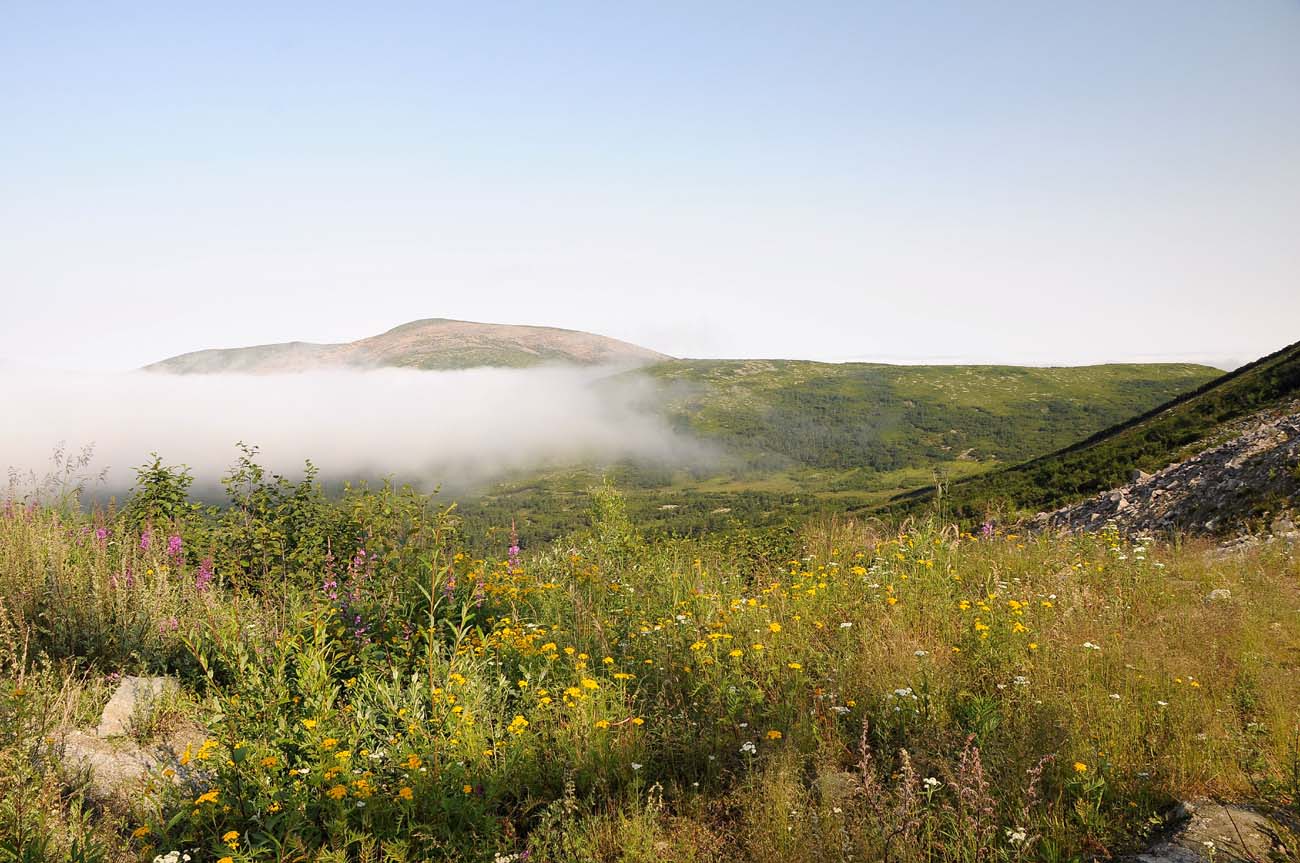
[432, 343]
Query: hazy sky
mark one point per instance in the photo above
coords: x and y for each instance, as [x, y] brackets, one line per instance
[1029, 181]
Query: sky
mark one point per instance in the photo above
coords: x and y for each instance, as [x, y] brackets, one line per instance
[963, 181]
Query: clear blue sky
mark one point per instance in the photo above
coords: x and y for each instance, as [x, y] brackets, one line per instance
[1020, 181]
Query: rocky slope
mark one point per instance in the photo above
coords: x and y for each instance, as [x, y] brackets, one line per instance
[436, 343]
[1252, 476]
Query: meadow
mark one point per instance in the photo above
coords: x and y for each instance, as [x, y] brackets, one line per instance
[361, 681]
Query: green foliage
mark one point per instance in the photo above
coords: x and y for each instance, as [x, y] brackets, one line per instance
[160, 495]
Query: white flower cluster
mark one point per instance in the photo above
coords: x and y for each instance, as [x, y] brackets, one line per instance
[174, 857]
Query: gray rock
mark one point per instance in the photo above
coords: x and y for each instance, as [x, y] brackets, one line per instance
[132, 696]
[1206, 831]
[112, 767]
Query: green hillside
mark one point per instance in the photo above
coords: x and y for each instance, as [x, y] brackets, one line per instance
[862, 418]
[1148, 442]
[794, 437]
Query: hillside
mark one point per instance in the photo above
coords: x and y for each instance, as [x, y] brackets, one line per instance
[870, 419]
[1252, 479]
[1150, 442]
[795, 437]
[435, 343]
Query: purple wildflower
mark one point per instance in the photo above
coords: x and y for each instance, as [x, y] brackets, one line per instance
[174, 546]
[513, 551]
[146, 539]
[203, 578]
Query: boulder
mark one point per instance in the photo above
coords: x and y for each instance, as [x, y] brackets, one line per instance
[1208, 832]
[132, 696]
[112, 765]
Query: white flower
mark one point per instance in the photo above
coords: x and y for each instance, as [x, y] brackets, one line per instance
[905, 692]
[846, 625]
[840, 709]
[1017, 836]
[919, 653]
[1163, 703]
[636, 766]
[1114, 696]
[1020, 680]
[931, 783]
[1088, 645]
[748, 747]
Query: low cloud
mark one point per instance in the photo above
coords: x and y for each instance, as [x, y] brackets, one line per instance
[457, 429]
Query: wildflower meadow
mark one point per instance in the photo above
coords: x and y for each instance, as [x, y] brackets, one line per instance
[360, 679]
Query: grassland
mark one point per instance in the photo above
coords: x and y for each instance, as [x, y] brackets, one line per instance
[366, 689]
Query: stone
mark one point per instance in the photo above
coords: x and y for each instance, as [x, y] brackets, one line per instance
[110, 764]
[133, 694]
[1208, 832]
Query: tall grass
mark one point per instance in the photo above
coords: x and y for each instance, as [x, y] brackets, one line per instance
[912, 694]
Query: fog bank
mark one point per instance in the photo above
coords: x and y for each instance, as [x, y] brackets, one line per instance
[452, 428]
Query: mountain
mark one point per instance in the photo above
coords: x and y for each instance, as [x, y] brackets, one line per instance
[1152, 441]
[434, 343]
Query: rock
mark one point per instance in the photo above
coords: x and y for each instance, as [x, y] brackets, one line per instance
[132, 694]
[112, 765]
[1206, 831]
[1219, 594]
[1282, 525]
[1139, 476]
